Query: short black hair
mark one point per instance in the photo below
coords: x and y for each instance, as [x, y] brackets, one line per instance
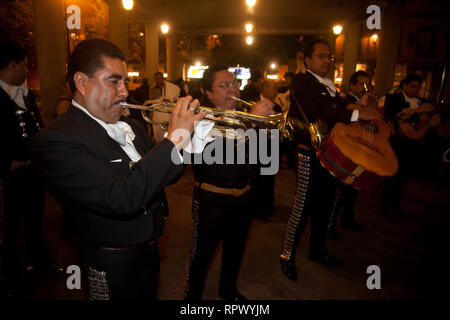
[159, 73]
[309, 47]
[9, 52]
[410, 78]
[178, 80]
[256, 75]
[87, 57]
[208, 76]
[289, 74]
[355, 75]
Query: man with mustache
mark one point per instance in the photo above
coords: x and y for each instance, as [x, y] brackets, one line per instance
[108, 176]
[314, 96]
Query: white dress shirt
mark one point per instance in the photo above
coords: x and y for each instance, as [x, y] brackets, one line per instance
[414, 103]
[16, 93]
[119, 131]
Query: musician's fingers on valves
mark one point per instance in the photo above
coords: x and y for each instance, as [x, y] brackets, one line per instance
[263, 108]
[184, 115]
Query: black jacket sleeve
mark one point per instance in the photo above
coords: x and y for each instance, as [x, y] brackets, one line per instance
[316, 102]
[76, 175]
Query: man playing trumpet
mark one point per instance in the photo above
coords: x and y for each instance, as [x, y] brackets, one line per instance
[108, 176]
[221, 202]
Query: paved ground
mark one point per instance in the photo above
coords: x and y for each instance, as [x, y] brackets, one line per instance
[406, 248]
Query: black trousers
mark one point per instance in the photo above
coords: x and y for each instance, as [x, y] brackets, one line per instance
[346, 197]
[23, 202]
[130, 274]
[315, 195]
[217, 217]
[263, 193]
[407, 152]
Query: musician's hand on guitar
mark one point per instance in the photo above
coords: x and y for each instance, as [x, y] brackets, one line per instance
[369, 114]
[263, 108]
[367, 99]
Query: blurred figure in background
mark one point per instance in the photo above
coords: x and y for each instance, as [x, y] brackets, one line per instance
[23, 191]
[142, 93]
[164, 91]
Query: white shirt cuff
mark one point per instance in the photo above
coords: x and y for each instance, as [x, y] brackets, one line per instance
[355, 115]
[200, 137]
[178, 152]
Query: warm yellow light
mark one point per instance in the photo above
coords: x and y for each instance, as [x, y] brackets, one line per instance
[198, 64]
[248, 27]
[141, 34]
[337, 29]
[374, 37]
[165, 75]
[164, 28]
[273, 65]
[250, 3]
[127, 4]
[249, 40]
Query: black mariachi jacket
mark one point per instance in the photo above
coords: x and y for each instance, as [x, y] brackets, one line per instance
[111, 202]
[16, 129]
[316, 103]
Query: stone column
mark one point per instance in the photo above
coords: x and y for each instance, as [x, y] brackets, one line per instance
[173, 64]
[118, 25]
[51, 49]
[388, 46]
[352, 37]
[151, 49]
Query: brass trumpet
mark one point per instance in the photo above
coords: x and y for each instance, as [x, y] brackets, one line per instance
[226, 122]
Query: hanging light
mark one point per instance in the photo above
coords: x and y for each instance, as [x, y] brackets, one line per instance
[248, 27]
[374, 38]
[273, 65]
[250, 3]
[164, 28]
[337, 29]
[128, 4]
[249, 40]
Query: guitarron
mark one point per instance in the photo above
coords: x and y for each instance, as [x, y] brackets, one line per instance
[359, 154]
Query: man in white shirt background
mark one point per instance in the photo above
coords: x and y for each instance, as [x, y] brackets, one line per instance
[165, 91]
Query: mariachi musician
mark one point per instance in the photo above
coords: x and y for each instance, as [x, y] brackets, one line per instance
[409, 116]
[23, 192]
[314, 97]
[346, 196]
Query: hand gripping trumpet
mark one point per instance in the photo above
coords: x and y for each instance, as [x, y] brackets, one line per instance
[226, 122]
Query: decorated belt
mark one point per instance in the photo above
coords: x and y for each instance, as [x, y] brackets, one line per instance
[229, 191]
